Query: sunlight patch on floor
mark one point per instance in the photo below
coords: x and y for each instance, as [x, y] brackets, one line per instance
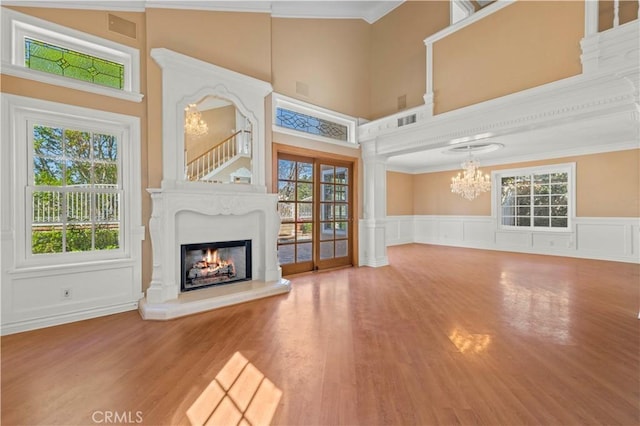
[239, 395]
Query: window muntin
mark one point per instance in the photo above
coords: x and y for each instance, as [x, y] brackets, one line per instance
[536, 199]
[76, 190]
[58, 60]
[312, 125]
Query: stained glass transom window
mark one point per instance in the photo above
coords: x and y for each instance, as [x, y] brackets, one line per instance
[58, 60]
[312, 125]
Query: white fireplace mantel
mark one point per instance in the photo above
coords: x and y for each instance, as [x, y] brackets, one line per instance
[185, 212]
[199, 215]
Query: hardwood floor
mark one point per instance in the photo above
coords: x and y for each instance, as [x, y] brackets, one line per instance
[442, 336]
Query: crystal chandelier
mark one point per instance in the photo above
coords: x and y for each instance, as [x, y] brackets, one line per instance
[194, 125]
[471, 181]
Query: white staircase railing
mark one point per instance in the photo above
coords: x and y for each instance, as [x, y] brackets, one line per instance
[202, 166]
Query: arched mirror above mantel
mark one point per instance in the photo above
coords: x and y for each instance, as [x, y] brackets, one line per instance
[218, 140]
[231, 105]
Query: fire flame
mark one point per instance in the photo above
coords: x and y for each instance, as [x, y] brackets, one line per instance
[212, 258]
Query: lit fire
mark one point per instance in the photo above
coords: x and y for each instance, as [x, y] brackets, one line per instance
[213, 265]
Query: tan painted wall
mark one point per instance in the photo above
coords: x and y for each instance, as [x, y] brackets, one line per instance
[329, 56]
[524, 45]
[398, 54]
[607, 185]
[399, 194]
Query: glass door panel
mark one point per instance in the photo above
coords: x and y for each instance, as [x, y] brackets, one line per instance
[335, 214]
[315, 209]
[295, 195]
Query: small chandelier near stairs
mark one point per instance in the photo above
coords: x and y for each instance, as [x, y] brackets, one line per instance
[194, 125]
[471, 182]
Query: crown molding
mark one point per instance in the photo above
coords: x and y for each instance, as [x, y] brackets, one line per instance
[349, 9]
[114, 5]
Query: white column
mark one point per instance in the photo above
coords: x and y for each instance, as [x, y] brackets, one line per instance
[590, 17]
[428, 96]
[372, 236]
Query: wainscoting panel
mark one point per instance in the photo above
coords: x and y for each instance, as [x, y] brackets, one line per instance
[614, 239]
[596, 235]
[55, 296]
[399, 230]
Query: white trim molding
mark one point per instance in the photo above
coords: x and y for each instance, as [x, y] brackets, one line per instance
[369, 11]
[602, 238]
[17, 26]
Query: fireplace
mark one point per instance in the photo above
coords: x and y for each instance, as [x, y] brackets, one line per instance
[189, 213]
[216, 263]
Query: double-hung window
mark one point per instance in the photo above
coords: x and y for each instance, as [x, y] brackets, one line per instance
[75, 196]
[75, 189]
[537, 198]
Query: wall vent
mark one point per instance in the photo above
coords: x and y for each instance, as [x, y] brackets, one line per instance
[302, 88]
[409, 119]
[122, 26]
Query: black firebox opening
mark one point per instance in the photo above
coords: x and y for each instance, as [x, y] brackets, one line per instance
[217, 263]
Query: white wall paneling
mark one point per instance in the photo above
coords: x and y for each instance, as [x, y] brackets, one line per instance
[613, 239]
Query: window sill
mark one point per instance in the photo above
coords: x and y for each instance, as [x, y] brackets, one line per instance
[29, 74]
[83, 266]
[304, 135]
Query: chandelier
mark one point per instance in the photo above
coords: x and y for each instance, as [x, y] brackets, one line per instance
[194, 125]
[471, 181]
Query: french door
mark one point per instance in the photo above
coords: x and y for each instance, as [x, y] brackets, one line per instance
[315, 205]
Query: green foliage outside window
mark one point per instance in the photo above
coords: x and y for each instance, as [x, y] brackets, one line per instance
[76, 204]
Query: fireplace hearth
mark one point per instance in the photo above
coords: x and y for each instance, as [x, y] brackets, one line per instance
[215, 263]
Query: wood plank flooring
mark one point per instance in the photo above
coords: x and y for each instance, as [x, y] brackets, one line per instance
[442, 336]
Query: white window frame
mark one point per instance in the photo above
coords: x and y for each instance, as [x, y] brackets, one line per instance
[17, 157]
[281, 101]
[17, 26]
[496, 179]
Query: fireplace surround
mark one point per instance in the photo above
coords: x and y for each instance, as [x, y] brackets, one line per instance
[190, 212]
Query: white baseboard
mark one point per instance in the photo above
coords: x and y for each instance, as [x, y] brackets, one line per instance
[26, 325]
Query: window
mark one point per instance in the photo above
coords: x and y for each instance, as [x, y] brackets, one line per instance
[308, 124]
[75, 191]
[75, 197]
[39, 50]
[54, 59]
[536, 198]
[299, 118]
